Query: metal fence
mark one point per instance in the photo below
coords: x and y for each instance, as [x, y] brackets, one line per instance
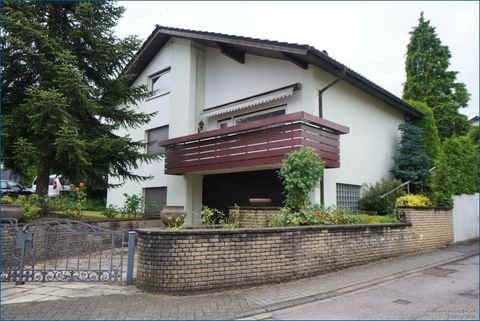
[61, 250]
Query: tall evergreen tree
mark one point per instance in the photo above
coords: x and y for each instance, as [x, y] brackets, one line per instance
[431, 140]
[429, 81]
[411, 162]
[64, 92]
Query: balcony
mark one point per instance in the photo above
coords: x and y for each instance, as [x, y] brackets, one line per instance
[260, 144]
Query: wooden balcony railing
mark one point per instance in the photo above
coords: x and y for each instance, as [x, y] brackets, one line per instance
[259, 144]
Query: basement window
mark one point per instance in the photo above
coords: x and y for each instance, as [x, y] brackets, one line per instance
[348, 196]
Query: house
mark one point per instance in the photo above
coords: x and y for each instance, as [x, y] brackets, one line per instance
[229, 109]
[475, 121]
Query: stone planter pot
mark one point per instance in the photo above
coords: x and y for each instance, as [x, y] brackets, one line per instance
[173, 216]
[11, 211]
[260, 201]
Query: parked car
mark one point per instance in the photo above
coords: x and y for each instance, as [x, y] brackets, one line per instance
[57, 185]
[12, 188]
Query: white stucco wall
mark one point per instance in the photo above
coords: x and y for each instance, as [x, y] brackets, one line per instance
[366, 152]
[160, 104]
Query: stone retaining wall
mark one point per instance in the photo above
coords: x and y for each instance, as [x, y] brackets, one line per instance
[198, 260]
[254, 217]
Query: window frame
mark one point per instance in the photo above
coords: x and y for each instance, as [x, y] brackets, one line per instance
[147, 138]
[157, 93]
[233, 120]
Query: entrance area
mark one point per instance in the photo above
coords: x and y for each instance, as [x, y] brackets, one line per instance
[221, 191]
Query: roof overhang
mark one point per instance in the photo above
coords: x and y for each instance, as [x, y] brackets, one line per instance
[236, 47]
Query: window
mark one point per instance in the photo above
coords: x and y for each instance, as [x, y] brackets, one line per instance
[348, 196]
[155, 199]
[154, 136]
[160, 83]
[242, 119]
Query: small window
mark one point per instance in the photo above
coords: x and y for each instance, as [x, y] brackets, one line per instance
[155, 200]
[348, 196]
[154, 136]
[160, 83]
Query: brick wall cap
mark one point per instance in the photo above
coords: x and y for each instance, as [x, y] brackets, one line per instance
[422, 208]
[160, 231]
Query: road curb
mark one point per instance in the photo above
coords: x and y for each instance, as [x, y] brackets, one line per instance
[260, 313]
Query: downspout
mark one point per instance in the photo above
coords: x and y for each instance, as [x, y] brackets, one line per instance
[340, 76]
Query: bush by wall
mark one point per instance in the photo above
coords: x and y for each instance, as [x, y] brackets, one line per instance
[414, 200]
[370, 196]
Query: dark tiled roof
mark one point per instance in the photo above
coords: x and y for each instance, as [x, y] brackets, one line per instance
[300, 54]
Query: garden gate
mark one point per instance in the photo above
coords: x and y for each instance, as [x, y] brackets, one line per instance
[54, 249]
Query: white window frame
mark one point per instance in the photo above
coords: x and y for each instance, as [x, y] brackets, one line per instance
[151, 78]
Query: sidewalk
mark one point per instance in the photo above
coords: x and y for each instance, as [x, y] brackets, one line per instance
[61, 301]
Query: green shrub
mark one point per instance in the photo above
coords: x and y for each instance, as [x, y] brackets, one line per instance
[31, 206]
[300, 172]
[317, 214]
[111, 211]
[370, 196]
[132, 205]
[211, 216]
[7, 200]
[413, 200]
[457, 170]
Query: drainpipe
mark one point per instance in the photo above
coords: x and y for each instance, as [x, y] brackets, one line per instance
[320, 114]
[340, 76]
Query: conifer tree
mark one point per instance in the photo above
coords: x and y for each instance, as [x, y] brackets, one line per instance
[65, 92]
[430, 81]
[411, 162]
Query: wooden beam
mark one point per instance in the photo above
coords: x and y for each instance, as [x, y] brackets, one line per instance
[297, 61]
[232, 52]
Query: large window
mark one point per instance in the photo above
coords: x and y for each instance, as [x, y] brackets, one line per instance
[154, 136]
[155, 200]
[242, 119]
[160, 83]
[348, 196]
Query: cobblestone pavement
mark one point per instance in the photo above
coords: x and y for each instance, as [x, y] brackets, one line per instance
[122, 303]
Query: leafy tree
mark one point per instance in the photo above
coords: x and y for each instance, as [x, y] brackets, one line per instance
[411, 162]
[300, 172]
[431, 140]
[65, 92]
[429, 81]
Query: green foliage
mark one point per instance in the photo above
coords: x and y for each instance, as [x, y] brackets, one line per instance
[430, 138]
[233, 219]
[429, 81]
[6, 199]
[72, 204]
[411, 162]
[65, 91]
[413, 200]
[31, 207]
[132, 205]
[456, 171]
[111, 211]
[370, 196]
[301, 171]
[318, 215]
[212, 216]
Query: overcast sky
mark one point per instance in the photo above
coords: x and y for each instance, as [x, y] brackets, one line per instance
[369, 37]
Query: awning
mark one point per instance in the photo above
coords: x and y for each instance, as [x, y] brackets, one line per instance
[246, 103]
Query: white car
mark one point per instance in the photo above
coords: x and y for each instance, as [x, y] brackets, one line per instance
[57, 185]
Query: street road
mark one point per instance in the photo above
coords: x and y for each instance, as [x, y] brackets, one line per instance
[444, 292]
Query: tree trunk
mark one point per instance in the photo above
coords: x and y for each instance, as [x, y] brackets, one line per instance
[43, 174]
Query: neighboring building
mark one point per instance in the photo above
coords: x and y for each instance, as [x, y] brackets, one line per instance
[229, 109]
[475, 121]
